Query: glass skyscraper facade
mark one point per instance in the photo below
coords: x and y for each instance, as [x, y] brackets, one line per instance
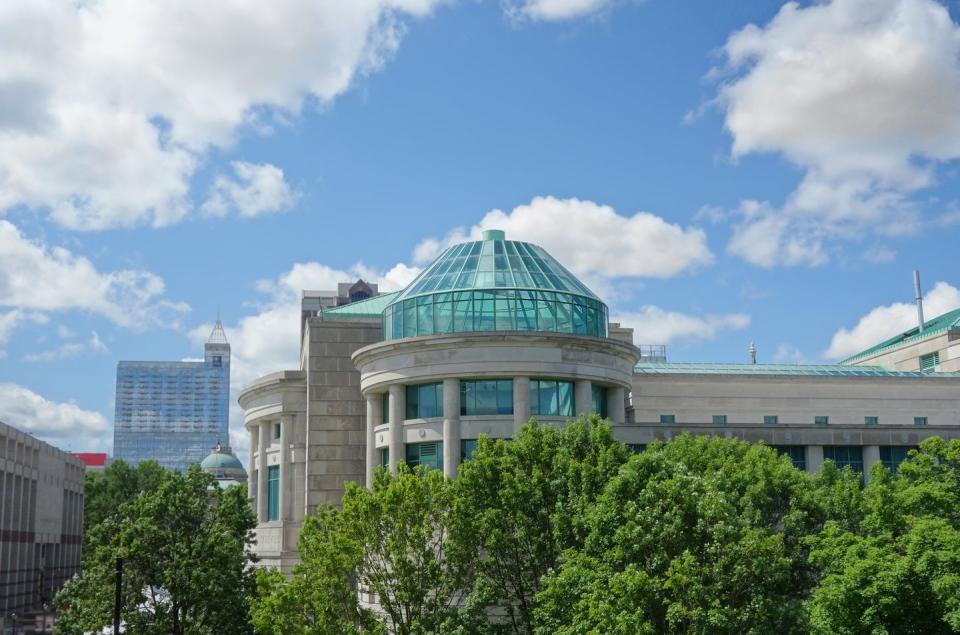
[173, 412]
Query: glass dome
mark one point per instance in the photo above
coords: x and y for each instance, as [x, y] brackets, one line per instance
[495, 284]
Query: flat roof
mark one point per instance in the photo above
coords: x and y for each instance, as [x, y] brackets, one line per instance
[788, 370]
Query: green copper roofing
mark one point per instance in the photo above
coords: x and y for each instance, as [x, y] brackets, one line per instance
[218, 459]
[371, 308]
[931, 328]
[794, 370]
[495, 284]
[494, 263]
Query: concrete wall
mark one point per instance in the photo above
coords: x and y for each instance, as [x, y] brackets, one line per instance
[41, 520]
[908, 357]
[336, 410]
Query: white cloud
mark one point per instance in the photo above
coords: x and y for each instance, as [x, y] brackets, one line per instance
[556, 10]
[10, 320]
[862, 95]
[66, 425]
[69, 349]
[37, 278]
[884, 322]
[654, 325]
[269, 340]
[592, 240]
[64, 332]
[106, 117]
[256, 189]
[787, 353]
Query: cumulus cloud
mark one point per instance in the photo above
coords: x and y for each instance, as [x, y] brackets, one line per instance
[37, 278]
[861, 95]
[556, 10]
[255, 189]
[105, 119]
[269, 340]
[787, 353]
[654, 325]
[884, 322]
[65, 425]
[592, 240]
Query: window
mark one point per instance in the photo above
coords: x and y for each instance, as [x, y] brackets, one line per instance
[821, 420]
[486, 397]
[893, 455]
[797, 454]
[720, 419]
[771, 420]
[385, 458]
[429, 454]
[845, 456]
[668, 418]
[424, 401]
[637, 447]
[385, 406]
[549, 398]
[467, 448]
[273, 492]
[919, 421]
[871, 421]
[930, 362]
[599, 399]
[276, 431]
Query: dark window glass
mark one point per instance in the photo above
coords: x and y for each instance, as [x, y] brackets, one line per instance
[771, 419]
[797, 454]
[486, 397]
[668, 418]
[637, 447]
[871, 421]
[273, 492]
[385, 406]
[845, 456]
[276, 431]
[821, 420]
[467, 448]
[720, 419]
[429, 454]
[919, 421]
[599, 404]
[893, 455]
[424, 401]
[385, 458]
[551, 398]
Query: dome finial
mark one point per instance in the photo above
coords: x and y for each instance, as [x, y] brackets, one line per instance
[494, 234]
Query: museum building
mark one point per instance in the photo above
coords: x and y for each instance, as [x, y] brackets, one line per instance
[496, 332]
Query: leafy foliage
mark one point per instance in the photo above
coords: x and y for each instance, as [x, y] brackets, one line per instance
[184, 549]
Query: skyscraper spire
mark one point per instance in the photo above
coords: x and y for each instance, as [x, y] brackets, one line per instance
[217, 335]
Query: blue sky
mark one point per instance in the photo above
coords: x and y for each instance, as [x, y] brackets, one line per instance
[720, 172]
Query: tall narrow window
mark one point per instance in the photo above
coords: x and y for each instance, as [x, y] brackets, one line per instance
[599, 398]
[385, 406]
[276, 431]
[385, 458]
[273, 492]
[467, 448]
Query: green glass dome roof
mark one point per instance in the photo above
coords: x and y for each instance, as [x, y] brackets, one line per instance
[220, 460]
[495, 284]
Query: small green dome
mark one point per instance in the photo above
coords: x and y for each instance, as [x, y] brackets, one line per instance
[495, 284]
[220, 460]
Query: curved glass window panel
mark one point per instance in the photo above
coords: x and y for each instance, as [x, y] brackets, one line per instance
[467, 448]
[599, 404]
[424, 401]
[550, 398]
[486, 397]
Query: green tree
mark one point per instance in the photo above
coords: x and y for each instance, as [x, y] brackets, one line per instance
[105, 491]
[392, 542]
[184, 546]
[521, 503]
[699, 535]
[897, 570]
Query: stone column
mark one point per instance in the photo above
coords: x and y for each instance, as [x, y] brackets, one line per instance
[616, 405]
[521, 402]
[871, 455]
[286, 478]
[583, 397]
[262, 472]
[814, 458]
[451, 427]
[398, 406]
[251, 463]
[374, 418]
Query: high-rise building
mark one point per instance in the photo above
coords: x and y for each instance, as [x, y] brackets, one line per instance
[173, 412]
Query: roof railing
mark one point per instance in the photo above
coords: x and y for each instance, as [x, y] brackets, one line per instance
[656, 353]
